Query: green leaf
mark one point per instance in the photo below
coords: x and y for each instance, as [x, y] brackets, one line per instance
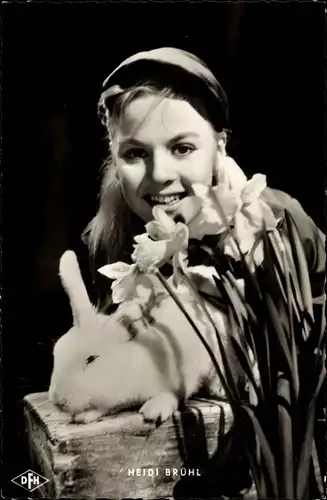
[301, 264]
[245, 363]
[286, 480]
[245, 308]
[291, 336]
[265, 367]
[303, 466]
[278, 329]
[279, 273]
[237, 304]
[267, 455]
[254, 458]
[319, 474]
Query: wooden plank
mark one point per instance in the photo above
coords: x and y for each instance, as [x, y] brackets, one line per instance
[119, 456]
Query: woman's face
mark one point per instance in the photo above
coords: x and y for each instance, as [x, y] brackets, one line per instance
[161, 147]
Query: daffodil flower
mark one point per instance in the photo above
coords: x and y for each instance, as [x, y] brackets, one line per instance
[247, 237]
[237, 210]
[128, 282]
[219, 205]
[256, 210]
[163, 239]
[253, 216]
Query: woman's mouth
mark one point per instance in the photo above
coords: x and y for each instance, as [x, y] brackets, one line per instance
[165, 200]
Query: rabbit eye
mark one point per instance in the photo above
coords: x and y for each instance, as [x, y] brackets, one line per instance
[91, 358]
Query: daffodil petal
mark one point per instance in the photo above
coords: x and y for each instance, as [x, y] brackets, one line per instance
[180, 262]
[118, 295]
[157, 231]
[180, 259]
[254, 214]
[183, 233]
[200, 226]
[230, 174]
[260, 215]
[189, 208]
[244, 233]
[164, 219]
[149, 253]
[173, 246]
[141, 238]
[211, 215]
[123, 289]
[230, 247]
[268, 215]
[114, 271]
[226, 200]
[143, 292]
[258, 254]
[200, 190]
[253, 188]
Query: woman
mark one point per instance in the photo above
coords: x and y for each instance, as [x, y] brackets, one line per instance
[167, 116]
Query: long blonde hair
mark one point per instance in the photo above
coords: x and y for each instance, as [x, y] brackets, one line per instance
[110, 233]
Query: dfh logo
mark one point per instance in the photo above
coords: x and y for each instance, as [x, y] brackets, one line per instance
[30, 480]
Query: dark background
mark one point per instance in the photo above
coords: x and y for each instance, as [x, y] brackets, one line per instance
[268, 56]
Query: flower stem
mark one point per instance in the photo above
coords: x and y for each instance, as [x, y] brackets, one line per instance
[232, 399]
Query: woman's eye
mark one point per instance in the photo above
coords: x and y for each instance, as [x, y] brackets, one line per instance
[183, 149]
[135, 154]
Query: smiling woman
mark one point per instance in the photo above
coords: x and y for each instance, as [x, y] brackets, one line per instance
[168, 158]
[166, 117]
[168, 181]
[165, 114]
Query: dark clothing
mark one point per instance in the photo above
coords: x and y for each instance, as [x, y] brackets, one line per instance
[311, 237]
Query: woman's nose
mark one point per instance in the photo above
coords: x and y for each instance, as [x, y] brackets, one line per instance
[161, 169]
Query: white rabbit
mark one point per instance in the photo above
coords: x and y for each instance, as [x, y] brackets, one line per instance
[99, 368]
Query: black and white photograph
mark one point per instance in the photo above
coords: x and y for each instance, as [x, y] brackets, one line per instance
[163, 262]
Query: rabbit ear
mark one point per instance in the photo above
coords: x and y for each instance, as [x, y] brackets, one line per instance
[73, 284]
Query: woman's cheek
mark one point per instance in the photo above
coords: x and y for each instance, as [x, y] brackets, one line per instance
[131, 181]
[131, 176]
[198, 168]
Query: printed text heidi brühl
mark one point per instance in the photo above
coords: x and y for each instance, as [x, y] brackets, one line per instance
[166, 472]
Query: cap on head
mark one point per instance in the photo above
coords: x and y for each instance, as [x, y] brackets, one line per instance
[179, 70]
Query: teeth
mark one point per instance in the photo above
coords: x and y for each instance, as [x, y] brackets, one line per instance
[165, 199]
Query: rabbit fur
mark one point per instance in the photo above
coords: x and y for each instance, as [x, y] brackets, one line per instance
[100, 368]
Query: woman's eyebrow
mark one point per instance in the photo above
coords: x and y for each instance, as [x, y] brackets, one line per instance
[183, 135]
[128, 141]
[132, 141]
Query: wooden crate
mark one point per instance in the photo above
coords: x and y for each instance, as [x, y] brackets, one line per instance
[119, 456]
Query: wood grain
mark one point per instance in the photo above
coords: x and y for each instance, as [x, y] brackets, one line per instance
[113, 458]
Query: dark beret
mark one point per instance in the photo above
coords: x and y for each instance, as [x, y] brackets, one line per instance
[179, 70]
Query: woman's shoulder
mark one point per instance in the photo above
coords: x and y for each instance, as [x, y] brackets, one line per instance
[279, 202]
[312, 238]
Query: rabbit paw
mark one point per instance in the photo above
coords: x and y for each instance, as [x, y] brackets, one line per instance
[160, 407]
[87, 416]
[215, 388]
